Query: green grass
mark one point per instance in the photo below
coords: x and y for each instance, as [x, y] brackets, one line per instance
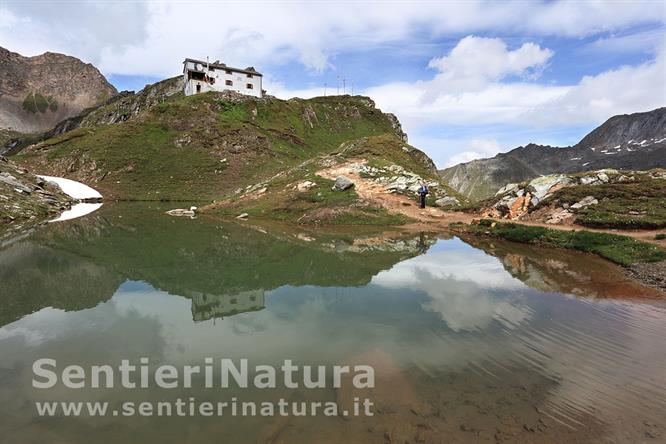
[637, 205]
[205, 147]
[318, 206]
[143, 158]
[622, 250]
[35, 102]
[660, 236]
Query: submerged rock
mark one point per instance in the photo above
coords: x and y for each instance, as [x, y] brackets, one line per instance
[182, 212]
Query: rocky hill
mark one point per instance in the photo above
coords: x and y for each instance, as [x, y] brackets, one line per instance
[38, 92]
[599, 199]
[160, 145]
[626, 142]
[25, 199]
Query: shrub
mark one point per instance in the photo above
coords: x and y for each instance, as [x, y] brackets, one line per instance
[35, 102]
[29, 103]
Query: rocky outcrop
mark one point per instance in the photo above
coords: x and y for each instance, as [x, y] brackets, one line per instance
[38, 92]
[396, 179]
[342, 183]
[25, 199]
[130, 104]
[517, 201]
[627, 142]
[397, 127]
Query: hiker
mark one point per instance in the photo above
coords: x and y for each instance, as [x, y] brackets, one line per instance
[423, 192]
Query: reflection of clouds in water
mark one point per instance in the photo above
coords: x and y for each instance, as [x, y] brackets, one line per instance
[463, 305]
[452, 258]
[31, 328]
[464, 287]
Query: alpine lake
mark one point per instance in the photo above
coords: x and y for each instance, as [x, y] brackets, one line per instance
[470, 340]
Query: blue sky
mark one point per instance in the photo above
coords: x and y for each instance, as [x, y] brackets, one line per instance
[467, 79]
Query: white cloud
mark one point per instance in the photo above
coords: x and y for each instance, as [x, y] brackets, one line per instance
[645, 41]
[617, 91]
[478, 148]
[476, 61]
[151, 38]
[482, 81]
[475, 95]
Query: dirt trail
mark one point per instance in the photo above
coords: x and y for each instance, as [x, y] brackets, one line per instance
[436, 219]
[370, 190]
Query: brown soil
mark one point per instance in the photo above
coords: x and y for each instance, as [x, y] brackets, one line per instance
[395, 203]
[435, 218]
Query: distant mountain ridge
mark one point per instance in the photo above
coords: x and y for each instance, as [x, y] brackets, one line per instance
[38, 92]
[630, 141]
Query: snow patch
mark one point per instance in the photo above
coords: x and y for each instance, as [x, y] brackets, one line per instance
[77, 210]
[74, 189]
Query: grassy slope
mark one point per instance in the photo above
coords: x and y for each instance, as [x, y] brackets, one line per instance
[622, 250]
[208, 146]
[322, 205]
[175, 150]
[639, 204]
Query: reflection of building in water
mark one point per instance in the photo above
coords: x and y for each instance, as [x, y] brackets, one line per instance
[208, 306]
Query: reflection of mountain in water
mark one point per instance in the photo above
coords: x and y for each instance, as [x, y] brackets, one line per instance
[556, 270]
[76, 264]
[210, 306]
[34, 276]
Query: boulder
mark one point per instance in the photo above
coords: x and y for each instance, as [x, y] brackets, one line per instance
[589, 180]
[243, 216]
[584, 202]
[559, 217]
[342, 183]
[519, 207]
[446, 201]
[182, 212]
[305, 186]
[506, 188]
[544, 185]
[14, 183]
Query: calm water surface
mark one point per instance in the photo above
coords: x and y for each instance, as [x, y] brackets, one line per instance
[471, 341]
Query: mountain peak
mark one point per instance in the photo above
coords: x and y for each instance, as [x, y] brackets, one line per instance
[39, 91]
[629, 141]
